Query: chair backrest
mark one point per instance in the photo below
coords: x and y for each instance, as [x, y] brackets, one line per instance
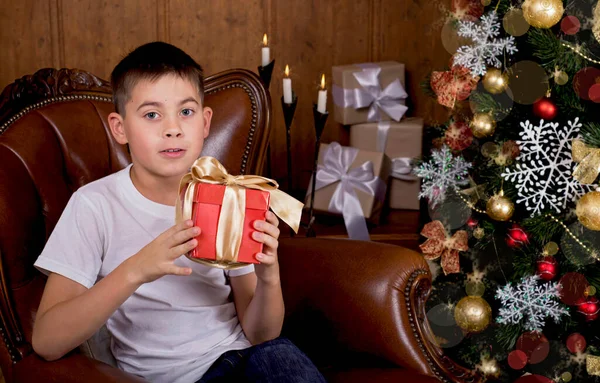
[54, 139]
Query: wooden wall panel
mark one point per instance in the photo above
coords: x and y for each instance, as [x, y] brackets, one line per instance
[25, 38]
[219, 34]
[411, 33]
[310, 36]
[97, 34]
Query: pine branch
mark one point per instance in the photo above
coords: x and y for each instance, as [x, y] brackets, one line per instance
[567, 101]
[591, 134]
[507, 335]
[547, 47]
[523, 262]
[542, 229]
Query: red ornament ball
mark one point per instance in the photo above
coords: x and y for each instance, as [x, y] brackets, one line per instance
[516, 237]
[545, 109]
[589, 308]
[594, 93]
[572, 288]
[517, 359]
[535, 345]
[576, 343]
[547, 268]
[472, 222]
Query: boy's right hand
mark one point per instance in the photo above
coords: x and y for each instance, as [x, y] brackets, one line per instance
[156, 258]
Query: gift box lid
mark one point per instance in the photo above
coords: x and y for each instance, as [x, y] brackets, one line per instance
[213, 194]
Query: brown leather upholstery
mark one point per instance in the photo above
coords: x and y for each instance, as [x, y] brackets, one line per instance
[348, 304]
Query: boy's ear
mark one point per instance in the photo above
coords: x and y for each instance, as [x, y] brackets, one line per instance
[117, 128]
[207, 114]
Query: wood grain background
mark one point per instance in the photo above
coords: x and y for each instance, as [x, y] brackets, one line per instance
[309, 35]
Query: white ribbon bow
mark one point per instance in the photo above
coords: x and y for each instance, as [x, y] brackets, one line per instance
[370, 94]
[336, 162]
[401, 166]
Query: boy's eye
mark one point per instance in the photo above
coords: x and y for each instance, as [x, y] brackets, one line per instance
[187, 112]
[151, 115]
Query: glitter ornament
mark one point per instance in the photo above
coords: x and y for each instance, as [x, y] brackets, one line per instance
[547, 268]
[494, 81]
[588, 210]
[458, 136]
[592, 365]
[542, 13]
[545, 109]
[473, 314]
[483, 125]
[500, 208]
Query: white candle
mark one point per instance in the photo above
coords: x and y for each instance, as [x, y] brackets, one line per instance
[266, 52]
[287, 86]
[322, 100]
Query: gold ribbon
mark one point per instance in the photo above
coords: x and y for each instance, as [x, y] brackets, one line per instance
[231, 219]
[589, 162]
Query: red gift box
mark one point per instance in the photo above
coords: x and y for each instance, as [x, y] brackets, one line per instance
[206, 210]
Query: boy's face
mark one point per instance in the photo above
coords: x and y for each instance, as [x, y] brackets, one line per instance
[165, 126]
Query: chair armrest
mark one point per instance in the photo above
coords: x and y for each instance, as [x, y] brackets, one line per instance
[364, 297]
[73, 367]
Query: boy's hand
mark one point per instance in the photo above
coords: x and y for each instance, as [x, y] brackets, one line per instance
[267, 233]
[156, 258]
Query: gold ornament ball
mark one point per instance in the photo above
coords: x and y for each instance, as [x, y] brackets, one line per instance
[479, 233]
[543, 13]
[500, 208]
[486, 2]
[483, 125]
[561, 78]
[495, 81]
[473, 314]
[588, 210]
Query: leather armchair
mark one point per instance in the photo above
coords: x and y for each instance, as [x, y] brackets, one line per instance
[356, 308]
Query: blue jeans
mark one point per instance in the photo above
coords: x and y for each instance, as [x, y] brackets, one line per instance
[275, 361]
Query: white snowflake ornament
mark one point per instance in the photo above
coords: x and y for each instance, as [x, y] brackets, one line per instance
[531, 302]
[442, 173]
[543, 173]
[486, 45]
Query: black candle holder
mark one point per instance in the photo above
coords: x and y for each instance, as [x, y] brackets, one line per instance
[320, 120]
[265, 73]
[288, 115]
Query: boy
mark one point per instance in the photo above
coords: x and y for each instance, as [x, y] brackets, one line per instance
[116, 258]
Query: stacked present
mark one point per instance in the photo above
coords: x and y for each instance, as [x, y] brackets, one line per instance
[352, 181]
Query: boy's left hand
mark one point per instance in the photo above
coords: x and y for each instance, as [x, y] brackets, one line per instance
[268, 234]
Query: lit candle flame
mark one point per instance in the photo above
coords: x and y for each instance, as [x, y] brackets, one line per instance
[323, 81]
[287, 71]
[265, 41]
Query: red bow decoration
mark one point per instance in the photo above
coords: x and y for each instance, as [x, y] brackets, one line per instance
[455, 84]
[440, 244]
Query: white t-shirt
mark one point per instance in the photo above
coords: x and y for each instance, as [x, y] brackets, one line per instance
[169, 330]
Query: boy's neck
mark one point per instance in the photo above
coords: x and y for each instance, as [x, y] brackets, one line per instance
[162, 191]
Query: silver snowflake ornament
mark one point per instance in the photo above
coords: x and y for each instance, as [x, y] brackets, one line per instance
[543, 173]
[530, 301]
[443, 172]
[486, 45]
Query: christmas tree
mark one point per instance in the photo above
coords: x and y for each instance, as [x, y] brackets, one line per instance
[510, 180]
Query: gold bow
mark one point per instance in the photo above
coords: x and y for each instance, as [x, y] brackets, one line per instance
[589, 162]
[231, 220]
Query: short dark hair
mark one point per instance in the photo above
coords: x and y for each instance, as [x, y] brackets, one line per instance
[149, 62]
